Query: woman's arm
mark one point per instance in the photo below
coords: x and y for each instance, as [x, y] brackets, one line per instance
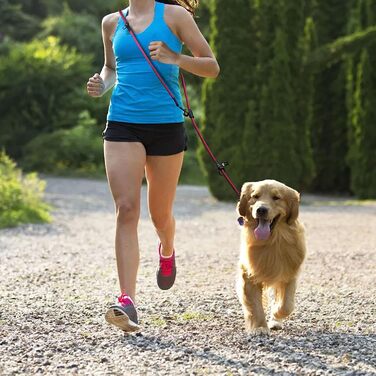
[99, 84]
[203, 62]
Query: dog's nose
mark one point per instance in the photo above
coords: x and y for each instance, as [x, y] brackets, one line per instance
[262, 211]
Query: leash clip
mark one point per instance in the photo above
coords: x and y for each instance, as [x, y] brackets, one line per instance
[241, 221]
[221, 167]
[188, 113]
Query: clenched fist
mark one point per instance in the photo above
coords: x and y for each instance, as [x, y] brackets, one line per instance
[95, 86]
[159, 51]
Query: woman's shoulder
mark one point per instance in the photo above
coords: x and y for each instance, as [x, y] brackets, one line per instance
[109, 23]
[110, 19]
[175, 16]
[176, 11]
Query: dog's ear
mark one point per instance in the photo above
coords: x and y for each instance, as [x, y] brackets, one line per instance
[244, 198]
[293, 206]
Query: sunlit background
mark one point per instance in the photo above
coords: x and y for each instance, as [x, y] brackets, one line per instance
[295, 100]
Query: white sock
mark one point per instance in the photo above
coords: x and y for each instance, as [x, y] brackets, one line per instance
[165, 257]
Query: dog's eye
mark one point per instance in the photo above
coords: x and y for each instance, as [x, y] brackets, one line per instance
[275, 198]
[256, 197]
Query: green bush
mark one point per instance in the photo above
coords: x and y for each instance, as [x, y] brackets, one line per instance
[81, 31]
[226, 98]
[361, 87]
[329, 134]
[95, 7]
[253, 109]
[41, 90]
[191, 172]
[20, 196]
[16, 23]
[77, 151]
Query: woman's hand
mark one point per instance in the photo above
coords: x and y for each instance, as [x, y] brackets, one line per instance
[95, 86]
[159, 51]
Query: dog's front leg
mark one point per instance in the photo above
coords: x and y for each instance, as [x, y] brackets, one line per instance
[284, 294]
[250, 297]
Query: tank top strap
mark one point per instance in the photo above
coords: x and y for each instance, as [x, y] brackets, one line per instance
[159, 12]
[121, 21]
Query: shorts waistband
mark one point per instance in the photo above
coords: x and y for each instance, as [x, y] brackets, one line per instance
[158, 126]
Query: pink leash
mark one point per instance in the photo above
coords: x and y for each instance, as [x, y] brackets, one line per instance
[187, 111]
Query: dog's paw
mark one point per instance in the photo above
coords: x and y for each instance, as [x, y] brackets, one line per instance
[275, 324]
[261, 331]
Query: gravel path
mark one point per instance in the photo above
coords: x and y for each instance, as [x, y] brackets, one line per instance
[56, 281]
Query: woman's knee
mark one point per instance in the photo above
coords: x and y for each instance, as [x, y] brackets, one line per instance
[162, 222]
[127, 211]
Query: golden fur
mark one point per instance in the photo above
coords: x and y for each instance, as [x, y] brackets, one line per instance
[272, 263]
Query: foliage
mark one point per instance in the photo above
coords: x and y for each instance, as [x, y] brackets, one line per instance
[332, 52]
[41, 90]
[361, 86]
[295, 125]
[263, 134]
[15, 23]
[191, 172]
[225, 99]
[328, 132]
[97, 8]
[20, 196]
[77, 151]
[66, 25]
[295, 88]
[41, 9]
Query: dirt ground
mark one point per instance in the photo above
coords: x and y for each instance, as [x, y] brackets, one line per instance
[56, 281]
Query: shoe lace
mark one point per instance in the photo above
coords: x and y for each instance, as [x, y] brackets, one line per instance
[124, 299]
[166, 265]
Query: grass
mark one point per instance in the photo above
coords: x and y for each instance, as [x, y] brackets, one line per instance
[348, 324]
[157, 321]
[185, 317]
[193, 316]
[21, 196]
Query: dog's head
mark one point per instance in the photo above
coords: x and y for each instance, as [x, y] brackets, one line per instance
[265, 204]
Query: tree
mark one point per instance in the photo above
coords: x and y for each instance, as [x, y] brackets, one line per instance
[270, 91]
[81, 31]
[226, 98]
[361, 83]
[15, 23]
[276, 135]
[41, 90]
[329, 136]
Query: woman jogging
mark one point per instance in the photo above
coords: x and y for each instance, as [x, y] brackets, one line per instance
[145, 131]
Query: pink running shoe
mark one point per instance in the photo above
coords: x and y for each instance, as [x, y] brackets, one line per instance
[123, 314]
[166, 272]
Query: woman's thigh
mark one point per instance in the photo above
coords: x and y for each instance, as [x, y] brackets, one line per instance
[162, 174]
[125, 166]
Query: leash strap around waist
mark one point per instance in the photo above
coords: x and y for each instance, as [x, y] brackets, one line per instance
[187, 111]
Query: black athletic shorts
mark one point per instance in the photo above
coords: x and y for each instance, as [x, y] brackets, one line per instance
[158, 139]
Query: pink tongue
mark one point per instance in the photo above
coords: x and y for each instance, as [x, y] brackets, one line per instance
[262, 232]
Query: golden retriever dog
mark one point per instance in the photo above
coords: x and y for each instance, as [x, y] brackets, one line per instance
[272, 252]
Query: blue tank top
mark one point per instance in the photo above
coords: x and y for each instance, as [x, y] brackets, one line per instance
[138, 95]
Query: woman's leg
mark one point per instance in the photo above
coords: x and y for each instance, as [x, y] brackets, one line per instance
[125, 165]
[162, 174]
